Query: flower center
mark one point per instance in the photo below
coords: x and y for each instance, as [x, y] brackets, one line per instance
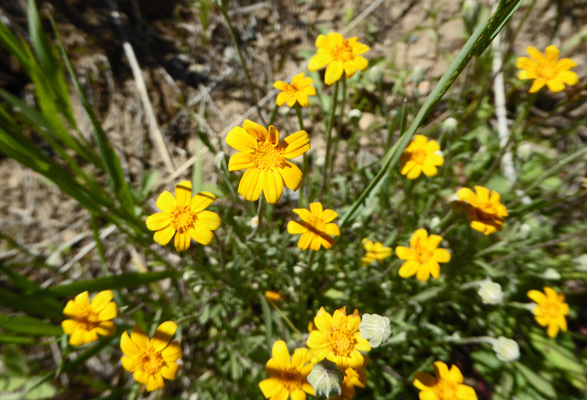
[267, 156]
[343, 52]
[89, 319]
[486, 212]
[551, 309]
[419, 156]
[446, 390]
[422, 254]
[291, 379]
[183, 219]
[342, 342]
[151, 361]
[546, 70]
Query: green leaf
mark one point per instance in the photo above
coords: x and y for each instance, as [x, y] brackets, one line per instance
[537, 381]
[29, 325]
[268, 321]
[128, 281]
[4, 338]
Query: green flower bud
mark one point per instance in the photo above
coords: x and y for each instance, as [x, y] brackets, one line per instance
[375, 329]
[449, 126]
[417, 74]
[469, 10]
[326, 379]
[375, 75]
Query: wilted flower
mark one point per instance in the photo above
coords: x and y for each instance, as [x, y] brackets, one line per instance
[266, 160]
[423, 258]
[338, 54]
[506, 349]
[448, 384]
[490, 292]
[185, 217]
[296, 92]
[151, 360]
[547, 69]
[288, 376]
[88, 320]
[550, 310]
[337, 337]
[316, 227]
[375, 328]
[421, 155]
[484, 208]
[326, 379]
[273, 295]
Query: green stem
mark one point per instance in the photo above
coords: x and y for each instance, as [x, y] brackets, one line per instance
[303, 201]
[287, 321]
[329, 137]
[242, 59]
[259, 218]
[343, 105]
[273, 114]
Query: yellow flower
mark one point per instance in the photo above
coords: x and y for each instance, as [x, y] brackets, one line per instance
[352, 378]
[339, 54]
[151, 360]
[484, 208]
[265, 160]
[273, 295]
[550, 310]
[337, 338]
[316, 227]
[88, 320]
[288, 377]
[421, 156]
[448, 384]
[185, 217]
[547, 69]
[298, 91]
[423, 257]
[375, 251]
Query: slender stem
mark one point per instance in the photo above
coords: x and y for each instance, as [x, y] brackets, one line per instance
[287, 321]
[310, 258]
[305, 161]
[259, 218]
[242, 59]
[329, 137]
[273, 114]
[343, 105]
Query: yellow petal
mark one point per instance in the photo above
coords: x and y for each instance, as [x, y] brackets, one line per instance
[332, 229]
[208, 220]
[415, 172]
[304, 214]
[240, 161]
[441, 370]
[295, 228]
[527, 75]
[163, 335]
[429, 169]
[405, 253]
[333, 72]
[319, 61]
[316, 209]
[282, 98]
[419, 238]
[251, 185]
[257, 131]
[106, 328]
[291, 175]
[129, 363]
[110, 311]
[295, 144]
[551, 54]
[441, 255]
[526, 63]
[166, 202]
[70, 326]
[423, 381]
[298, 359]
[170, 371]
[280, 85]
[239, 139]
[537, 85]
[183, 193]
[455, 375]
[555, 85]
[281, 355]
[361, 63]
[71, 309]
[466, 194]
[273, 134]
[270, 387]
[302, 99]
[423, 273]
[568, 77]
[408, 269]
[534, 53]
[127, 346]
[272, 186]
[552, 329]
[140, 376]
[202, 236]
[82, 300]
[465, 392]
[158, 221]
[482, 193]
[172, 352]
[164, 236]
[154, 382]
[305, 240]
[349, 68]
[201, 201]
[101, 300]
[565, 64]
[329, 215]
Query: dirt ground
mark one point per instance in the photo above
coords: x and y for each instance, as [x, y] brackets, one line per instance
[191, 70]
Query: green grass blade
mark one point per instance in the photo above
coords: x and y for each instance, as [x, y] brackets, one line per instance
[392, 156]
[15, 46]
[29, 325]
[31, 303]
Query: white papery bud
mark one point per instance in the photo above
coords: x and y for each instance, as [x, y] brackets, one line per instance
[326, 379]
[490, 292]
[506, 349]
[375, 329]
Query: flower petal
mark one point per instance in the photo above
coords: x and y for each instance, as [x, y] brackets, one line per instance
[316, 209]
[158, 221]
[305, 240]
[565, 64]
[408, 268]
[106, 328]
[270, 387]
[419, 239]
[110, 311]
[295, 228]
[182, 241]
[201, 201]
[251, 185]
[423, 381]
[70, 326]
[170, 371]
[240, 161]
[164, 236]
[272, 186]
[455, 375]
[163, 335]
[304, 214]
[404, 253]
[333, 72]
[138, 336]
[465, 392]
[534, 53]
[332, 229]
[172, 352]
[129, 363]
[239, 139]
[201, 235]
[208, 220]
[295, 144]
[568, 77]
[183, 193]
[441, 255]
[555, 85]
[127, 346]
[281, 355]
[551, 54]
[537, 85]
[166, 202]
[319, 61]
[280, 85]
[291, 175]
[257, 131]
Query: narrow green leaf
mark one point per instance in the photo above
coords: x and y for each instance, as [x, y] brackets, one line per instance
[4, 338]
[268, 321]
[29, 325]
[31, 304]
[538, 382]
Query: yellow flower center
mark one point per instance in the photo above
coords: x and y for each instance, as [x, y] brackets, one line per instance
[551, 309]
[291, 380]
[342, 342]
[422, 254]
[343, 52]
[183, 219]
[419, 156]
[546, 70]
[487, 212]
[267, 157]
[151, 361]
[446, 390]
[89, 319]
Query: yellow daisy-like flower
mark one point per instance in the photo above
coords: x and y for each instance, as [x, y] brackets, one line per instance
[273, 295]
[297, 92]
[423, 258]
[421, 156]
[375, 251]
[547, 69]
[316, 227]
[151, 360]
[288, 377]
[353, 378]
[88, 320]
[484, 208]
[265, 160]
[337, 338]
[185, 217]
[448, 384]
[550, 310]
[338, 54]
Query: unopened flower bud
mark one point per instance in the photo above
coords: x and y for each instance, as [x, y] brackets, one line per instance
[551, 274]
[449, 126]
[326, 379]
[469, 10]
[506, 349]
[375, 328]
[375, 75]
[490, 292]
[417, 74]
[354, 116]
